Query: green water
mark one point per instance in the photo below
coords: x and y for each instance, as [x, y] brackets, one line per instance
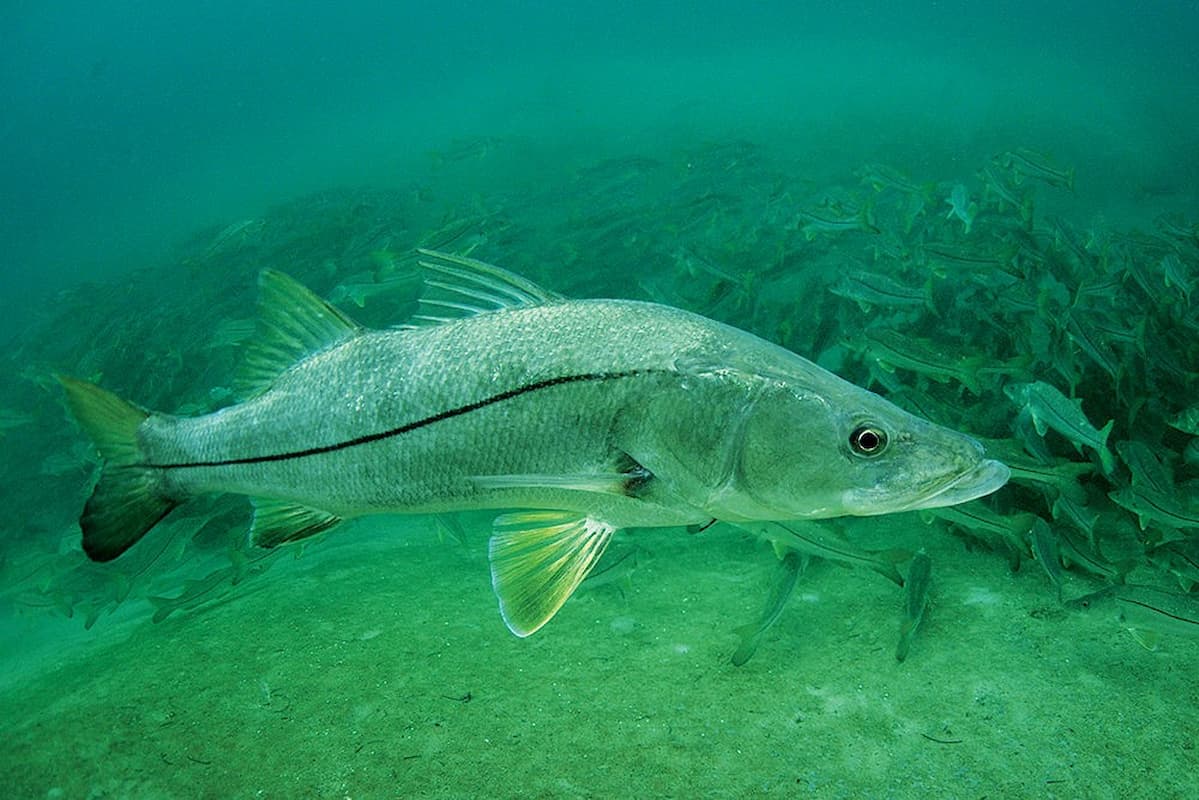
[802, 193]
[343, 672]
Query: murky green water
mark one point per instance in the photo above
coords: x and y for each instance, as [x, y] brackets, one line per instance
[1001, 261]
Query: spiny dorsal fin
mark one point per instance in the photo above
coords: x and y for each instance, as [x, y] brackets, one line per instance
[293, 323]
[457, 287]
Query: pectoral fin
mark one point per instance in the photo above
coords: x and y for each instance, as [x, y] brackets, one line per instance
[538, 559]
[625, 478]
[624, 484]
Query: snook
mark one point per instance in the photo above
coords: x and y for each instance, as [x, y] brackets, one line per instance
[595, 414]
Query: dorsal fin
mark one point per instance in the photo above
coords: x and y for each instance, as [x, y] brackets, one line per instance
[457, 287]
[293, 323]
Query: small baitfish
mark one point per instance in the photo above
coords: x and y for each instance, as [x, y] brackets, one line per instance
[961, 206]
[1049, 408]
[1147, 611]
[791, 565]
[915, 602]
[593, 415]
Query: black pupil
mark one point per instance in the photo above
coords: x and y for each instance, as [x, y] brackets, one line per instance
[866, 440]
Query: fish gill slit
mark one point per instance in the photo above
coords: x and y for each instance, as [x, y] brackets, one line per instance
[416, 424]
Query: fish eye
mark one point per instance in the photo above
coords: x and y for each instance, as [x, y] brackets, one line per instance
[867, 440]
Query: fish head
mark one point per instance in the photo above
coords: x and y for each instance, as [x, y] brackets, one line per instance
[1018, 393]
[827, 448]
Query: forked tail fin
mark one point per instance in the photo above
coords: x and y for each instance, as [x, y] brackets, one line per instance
[127, 500]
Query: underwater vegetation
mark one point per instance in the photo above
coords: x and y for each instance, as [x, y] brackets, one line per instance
[1067, 346]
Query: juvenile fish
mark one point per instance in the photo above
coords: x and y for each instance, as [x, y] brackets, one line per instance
[1075, 554]
[11, 418]
[791, 566]
[896, 350]
[812, 223]
[1077, 514]
[1091, 342]
[868, 289]
[1002, 532]
[1044, 549]
[817, 540]
[946, 257]
[881, 176]
[1145, 468]
[1025, 163]
[1060, 473]
[1181, 560]
[1170, 511]
[961, 206]
[915, 602]
[1147, 611]
[1176, 275]
[211, 588]
[994, 183]
[1049, 408]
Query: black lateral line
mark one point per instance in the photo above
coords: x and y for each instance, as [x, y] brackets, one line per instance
[1161, 611]
[411, 426]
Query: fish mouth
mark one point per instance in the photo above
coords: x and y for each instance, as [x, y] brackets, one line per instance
[986, 476]
[983, 478]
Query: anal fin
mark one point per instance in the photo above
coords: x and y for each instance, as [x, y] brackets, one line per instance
[538, 559]
[279, 521]
[1146, 638]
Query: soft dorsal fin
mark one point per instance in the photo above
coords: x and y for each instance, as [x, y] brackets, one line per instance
[457, 287]
[293, 323]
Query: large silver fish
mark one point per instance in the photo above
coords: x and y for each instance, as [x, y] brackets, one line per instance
[595, 414]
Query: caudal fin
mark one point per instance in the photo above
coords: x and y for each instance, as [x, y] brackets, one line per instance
[127, 500]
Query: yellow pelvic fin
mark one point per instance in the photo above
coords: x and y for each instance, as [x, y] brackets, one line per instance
[538, 558]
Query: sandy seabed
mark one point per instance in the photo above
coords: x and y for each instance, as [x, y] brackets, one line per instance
[377, 666]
